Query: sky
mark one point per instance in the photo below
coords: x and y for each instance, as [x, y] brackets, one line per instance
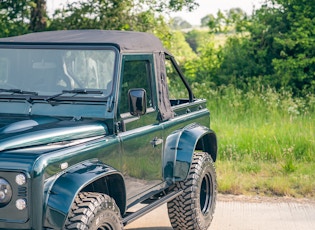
[205, 7]
[213, 6]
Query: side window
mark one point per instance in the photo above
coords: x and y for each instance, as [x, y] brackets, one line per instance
[176, 86]
[135, 74]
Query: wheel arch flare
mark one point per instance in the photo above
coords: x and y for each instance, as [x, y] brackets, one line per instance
[180, 147]
[86, 176]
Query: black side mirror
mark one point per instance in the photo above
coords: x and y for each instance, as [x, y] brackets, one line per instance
[137, 102]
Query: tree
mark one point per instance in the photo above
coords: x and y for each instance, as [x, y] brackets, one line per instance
[237, 19]
[279, 45]
[197, 38]
[38, 20]
[93, 14]
[240, 62]
[180, 48]
[217, 24]
[115, 14]
[178, 23]
[204, 67]
[13, 17]
[167, 6]
[295, 63]
[23, 16]
[206, 19]
[283, 40]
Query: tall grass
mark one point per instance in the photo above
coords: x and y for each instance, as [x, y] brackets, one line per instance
[266, 139]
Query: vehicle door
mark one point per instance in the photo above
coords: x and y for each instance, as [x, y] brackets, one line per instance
[141, 136]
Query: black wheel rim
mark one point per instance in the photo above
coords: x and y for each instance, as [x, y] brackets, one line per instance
[206, 194]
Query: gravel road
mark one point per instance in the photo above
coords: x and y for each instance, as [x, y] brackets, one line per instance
[245, 213]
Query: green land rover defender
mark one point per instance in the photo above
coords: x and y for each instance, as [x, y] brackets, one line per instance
[94, 123]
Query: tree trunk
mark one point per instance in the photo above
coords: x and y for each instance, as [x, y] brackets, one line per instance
[38, 20]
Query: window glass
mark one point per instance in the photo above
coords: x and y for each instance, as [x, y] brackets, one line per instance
[176, 86]
[49, 71]
[136, 74]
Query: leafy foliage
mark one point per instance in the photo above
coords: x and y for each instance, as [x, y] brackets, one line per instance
[13, 14]
[169, 5]
[178, 23]
[296, 44]
[180, 48]
[23, 16]
[94, 14]
[222, 22]
[196, 39]
[204, 67]
[280, 47]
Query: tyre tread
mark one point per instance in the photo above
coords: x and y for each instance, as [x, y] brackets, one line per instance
[85, 207]
[181, 211]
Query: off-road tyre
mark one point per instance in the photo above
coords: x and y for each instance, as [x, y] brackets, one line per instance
[94, 211]
[194, 208]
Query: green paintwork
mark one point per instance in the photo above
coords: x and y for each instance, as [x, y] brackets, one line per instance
[62, 194]
[94, 144]
[38, 134]
[179, 149]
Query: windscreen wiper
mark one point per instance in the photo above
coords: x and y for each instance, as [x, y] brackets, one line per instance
[83, 91]
[74, 91]
[18, 91]
[28, 98]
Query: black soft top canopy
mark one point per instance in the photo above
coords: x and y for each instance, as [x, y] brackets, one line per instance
[125, 41]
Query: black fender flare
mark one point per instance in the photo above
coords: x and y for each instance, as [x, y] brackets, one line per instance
[67, 186]
[180, 147]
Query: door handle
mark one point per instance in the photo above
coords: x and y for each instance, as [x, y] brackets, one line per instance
[156, 141]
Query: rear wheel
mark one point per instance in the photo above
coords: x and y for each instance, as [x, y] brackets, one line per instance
[194, 209]
[94, 211]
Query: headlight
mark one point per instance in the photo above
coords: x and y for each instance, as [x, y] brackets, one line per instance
[5, 192]
[20, 204]
[20, 179]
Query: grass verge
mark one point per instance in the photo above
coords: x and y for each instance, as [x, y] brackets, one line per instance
[266, 140]
[270, 179]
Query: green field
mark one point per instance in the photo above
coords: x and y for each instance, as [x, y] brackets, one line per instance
[266, 140]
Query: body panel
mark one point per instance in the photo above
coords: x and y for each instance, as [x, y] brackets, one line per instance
[65, 188]
[29, 132]
[79, 135]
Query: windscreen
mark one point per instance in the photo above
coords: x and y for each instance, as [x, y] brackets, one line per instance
[50, 71]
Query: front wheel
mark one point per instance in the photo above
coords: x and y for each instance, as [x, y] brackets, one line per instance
[94, 211]
[194, 208]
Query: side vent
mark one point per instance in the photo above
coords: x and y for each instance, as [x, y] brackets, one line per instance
[22, 191]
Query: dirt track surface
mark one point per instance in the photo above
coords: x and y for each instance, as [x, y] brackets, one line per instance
[245, 213]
